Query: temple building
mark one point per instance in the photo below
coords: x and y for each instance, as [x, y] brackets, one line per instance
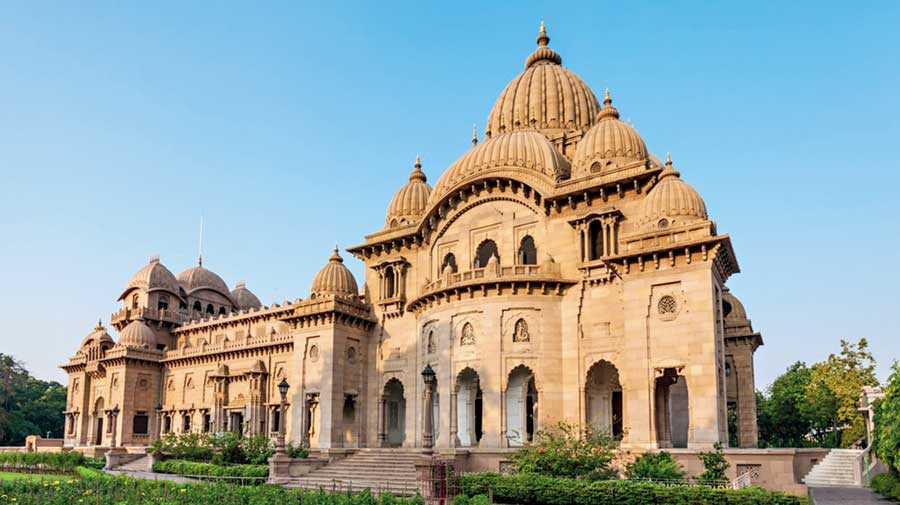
[557, 271]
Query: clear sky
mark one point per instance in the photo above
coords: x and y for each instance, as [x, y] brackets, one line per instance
[290, 126]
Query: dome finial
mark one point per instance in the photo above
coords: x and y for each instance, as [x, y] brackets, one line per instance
[668, 159]
[99, 326]
[336, 256]
[608, 111]
[669, 170]
[417, 172]
[543, 39]
[474, 135]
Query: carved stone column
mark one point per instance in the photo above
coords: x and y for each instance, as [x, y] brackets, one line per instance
[428, 414]
[382, 421]
[454, 417]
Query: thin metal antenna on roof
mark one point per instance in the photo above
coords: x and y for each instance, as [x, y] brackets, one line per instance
[200, 246]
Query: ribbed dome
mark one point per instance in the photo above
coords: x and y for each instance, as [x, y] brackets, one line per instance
[672, 201]
[409, 203]
[152, 277]
[544, 96]
[527, 152]
[736, 321]
[98, 335]
[137, 335]
[334, 279]
[244, 298]
[199, 278]
[608, 144]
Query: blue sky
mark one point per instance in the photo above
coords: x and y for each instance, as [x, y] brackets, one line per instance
[291, 125]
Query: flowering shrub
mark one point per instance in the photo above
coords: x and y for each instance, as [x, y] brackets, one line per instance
[658, 465]
[96, 488]
[50, 461]
[223, 449]
[567, 452]
[256, 473]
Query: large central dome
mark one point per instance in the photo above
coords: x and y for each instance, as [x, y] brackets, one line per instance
[545, 96]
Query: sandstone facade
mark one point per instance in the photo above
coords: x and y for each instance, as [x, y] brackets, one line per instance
[558, 271]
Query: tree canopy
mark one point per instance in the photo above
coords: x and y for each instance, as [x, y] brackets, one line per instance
[28, 406]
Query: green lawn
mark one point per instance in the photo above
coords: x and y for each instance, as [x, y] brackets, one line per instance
[7, 476]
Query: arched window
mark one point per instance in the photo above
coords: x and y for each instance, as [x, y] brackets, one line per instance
[429, 344]
[222, 311]
[198, 307]
[595, 240]
[134, 301]
[389, 287]
[163, 303]
[449, 260]
[485, 251]
[210, 309]
[527, 251]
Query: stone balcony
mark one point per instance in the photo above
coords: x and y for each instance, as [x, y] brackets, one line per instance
[124, 315]
[518, 279]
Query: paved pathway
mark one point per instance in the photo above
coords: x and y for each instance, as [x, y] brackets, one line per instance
[846, 496]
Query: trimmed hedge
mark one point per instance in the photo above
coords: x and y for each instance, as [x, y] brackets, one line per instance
[525, 489]
[97, 488]
[180, 467]
[887, 485]
[56, 461]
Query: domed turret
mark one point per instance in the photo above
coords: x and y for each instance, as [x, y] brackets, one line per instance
[152, 277]
[244, 298]
[137, 335]
[334, 279]
[97, 336]
[198, 278]
[528, 153]
[735, 315]
[545, 96]
[672, 202]
[409, 203]
[609, 144]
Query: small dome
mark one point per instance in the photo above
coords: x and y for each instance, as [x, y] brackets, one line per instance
[409, 203]
[608, 144]
[526, 152]
[137, 335]
[98, 335]
[244, 298]
[545, 96]
[735, 315]
[334, 279]
[672, 201]
[198, 278]
[153, 276]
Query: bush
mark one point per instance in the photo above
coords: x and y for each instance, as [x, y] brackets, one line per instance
[887, 485]
[526, 489]
[567, 452]
[224, 449]
[715, 464]
[886, 438]
[297, 451]
[56, 461]
[178, 467]
[659, 465]
[119, 490]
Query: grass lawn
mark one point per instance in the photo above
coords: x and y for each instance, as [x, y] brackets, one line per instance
[7, 476]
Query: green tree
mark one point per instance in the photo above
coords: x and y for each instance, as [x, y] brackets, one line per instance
[655, 465]
[715, 465]
[28, 406]
[564, 451]
[833, 393]
[780, 417]
[886, 439]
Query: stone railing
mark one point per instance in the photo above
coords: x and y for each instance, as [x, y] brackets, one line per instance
[547, 269]
[174, 316]
[229, 345]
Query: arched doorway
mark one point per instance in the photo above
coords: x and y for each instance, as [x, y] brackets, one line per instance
[469, 408]
[349, 421]
[595, 240]
[603, 399]
[485, 251]
[394, 413]
[527, 251]
[671, 404]
[99, 416]
[521, 406]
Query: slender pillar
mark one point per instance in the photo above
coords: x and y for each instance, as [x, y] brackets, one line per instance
[427, 425]
[454, 438]
[307, 421]
[382, 421]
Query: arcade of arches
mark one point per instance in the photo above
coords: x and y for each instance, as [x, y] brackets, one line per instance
[558, 270]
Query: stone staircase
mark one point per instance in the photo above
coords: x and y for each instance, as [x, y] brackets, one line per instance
[379, 470]
[141, 464]
[838, 469]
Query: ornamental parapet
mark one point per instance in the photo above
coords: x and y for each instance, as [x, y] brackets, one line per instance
[243, 344]
[542, 279]
[123, 316]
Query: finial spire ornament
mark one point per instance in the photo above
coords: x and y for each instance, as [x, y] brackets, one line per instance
[669, 170]
[543, 39]
[99, 326]
[417, 172]
[668, 159]
[608, 111]
[543, 53]
[200, 245]
[474, 135]
[335, 256]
